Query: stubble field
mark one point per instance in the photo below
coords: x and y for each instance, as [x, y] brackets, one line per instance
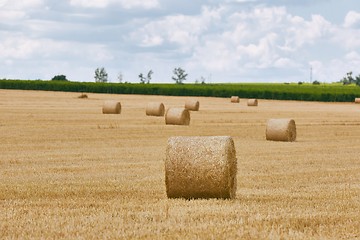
[67, 171]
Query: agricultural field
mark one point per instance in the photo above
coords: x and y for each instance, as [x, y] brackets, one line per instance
[67, 171]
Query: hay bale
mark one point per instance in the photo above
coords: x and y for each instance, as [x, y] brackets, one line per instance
[177, 116]
[357, 100]
[252, 102]
[192, 105]
[200, 167]
[155, 109]
[111, 107]
[281, 130]
[235, 99]
[83, 95]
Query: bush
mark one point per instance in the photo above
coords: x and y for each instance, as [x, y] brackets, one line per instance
[59, 78]
[316, 82]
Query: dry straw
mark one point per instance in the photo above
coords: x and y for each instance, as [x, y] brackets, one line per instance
[235, 99]
[357, 100]
[155, 109]
[177, 116]
[111, 107]
[192, 105]
[252, 102]
[281, 130]
[83, 95]
[200, 167]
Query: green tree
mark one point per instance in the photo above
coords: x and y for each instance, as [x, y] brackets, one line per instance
[146, 79]
[179, 75]
[348, 79]
[142, 78]
[357, 80]
[59, 78]
[101, 75]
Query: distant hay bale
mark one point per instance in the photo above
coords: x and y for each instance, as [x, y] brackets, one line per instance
[235, 99]
[111, 107]
[83, 95]
[281, 130]
[357, 100]
[200, 167]
[252, 102]
[192, 105]
[155, 109]
[177, 116]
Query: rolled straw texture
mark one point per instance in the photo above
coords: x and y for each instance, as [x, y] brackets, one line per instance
[235, 99]
[252, 102]
[281, 130]
[192, 105]
[111, 107]
[177, 116]
[155, 109]
[357, 100]
[200, 167]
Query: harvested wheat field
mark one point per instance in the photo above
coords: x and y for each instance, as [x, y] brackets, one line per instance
[67, 171]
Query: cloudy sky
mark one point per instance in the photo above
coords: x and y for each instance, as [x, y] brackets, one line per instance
[220, 40]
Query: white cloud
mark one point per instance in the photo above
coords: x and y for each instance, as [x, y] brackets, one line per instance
[181, 30]
[18, 46]
[21, 4]
[127, 4]
[235, 39]
[352, 19]
[301, 32]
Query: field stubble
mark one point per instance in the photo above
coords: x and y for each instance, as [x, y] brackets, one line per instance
[68, 171]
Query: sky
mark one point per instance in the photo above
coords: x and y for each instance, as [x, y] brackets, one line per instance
[222, 41]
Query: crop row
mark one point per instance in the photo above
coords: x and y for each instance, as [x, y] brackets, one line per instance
[305, 92]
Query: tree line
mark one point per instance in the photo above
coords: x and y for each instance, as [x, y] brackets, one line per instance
[179, 76]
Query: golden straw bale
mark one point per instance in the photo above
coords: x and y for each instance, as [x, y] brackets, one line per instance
[235, 99]
[177, 116]
[155, 109]
[200, 167]
[357, 100]
[281, 130]
[83, 95]
[192, 105]
[252, 102]
[111, 107]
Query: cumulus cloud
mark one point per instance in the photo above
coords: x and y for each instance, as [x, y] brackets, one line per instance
[352, 20]
[237, 39]
[148, 4]
[182, 30]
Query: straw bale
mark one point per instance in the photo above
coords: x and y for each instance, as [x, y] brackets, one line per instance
[192, 105]
[177, 116]
[200, 167]
[83, 95]
[281, 130]
[252, 102]
[111, 107]
[155, 109]
[357, 100]
[235, 99]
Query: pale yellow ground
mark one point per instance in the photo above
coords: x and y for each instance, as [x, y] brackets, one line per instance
[67, 171]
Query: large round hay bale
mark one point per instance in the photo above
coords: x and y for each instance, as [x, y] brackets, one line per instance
[155, 109]
[235, 99]
[192, 105]
[281, 130]
[200, 167]
[357, 100]
[111, 107]
[177, 116]
[252, 102]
